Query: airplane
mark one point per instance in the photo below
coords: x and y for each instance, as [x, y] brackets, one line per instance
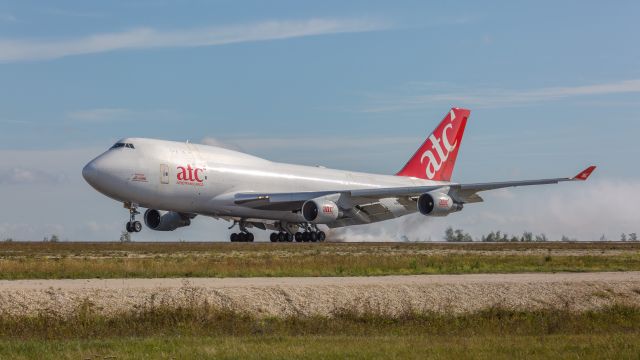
[176, 181]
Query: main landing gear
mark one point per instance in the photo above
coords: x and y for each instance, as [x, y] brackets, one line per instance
[243, 236]
[281, 237]
[307, 236]
[133, 225]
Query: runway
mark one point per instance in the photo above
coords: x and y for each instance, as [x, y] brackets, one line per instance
[327, 295]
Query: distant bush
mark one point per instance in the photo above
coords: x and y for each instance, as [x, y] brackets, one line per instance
[456, 235]
[499, 236]
[54, 238]
[125, 237]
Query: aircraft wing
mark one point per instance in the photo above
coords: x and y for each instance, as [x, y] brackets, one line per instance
[371, 197]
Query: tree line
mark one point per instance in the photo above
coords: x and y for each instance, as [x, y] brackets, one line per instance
[458, 235]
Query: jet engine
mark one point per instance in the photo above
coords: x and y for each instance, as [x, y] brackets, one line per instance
[437, 204]
[160, 220]
[320, 211]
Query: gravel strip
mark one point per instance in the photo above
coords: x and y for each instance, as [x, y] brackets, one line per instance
[391, 295]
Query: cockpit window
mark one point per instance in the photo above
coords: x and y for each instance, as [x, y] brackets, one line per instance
[121, 145]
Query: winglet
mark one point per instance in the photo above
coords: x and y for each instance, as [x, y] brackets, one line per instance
[584, 174]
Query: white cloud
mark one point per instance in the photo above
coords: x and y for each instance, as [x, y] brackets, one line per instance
[15, 122]
[71, 13]
[579, 210]
[21, 175]
[99, 114]
[12, 50]
[492, 97]
[115, 114]
[7, 18]
[211, 141]
[312, 142]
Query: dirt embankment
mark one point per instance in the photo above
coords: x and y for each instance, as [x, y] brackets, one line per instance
[326, 296]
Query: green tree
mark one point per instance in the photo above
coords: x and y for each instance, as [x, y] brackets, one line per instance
[541, 238]
[449, 234]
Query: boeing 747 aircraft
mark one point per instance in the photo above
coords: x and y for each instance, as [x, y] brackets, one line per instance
[177, 181]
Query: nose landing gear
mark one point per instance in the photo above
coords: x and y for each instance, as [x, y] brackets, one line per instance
[133, 225]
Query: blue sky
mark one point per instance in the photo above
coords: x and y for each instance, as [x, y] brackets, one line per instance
[553, 87]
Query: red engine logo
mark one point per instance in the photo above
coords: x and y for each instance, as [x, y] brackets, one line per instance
[327, 209]
[190, 176]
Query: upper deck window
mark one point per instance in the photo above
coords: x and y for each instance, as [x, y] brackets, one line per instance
[121, 145]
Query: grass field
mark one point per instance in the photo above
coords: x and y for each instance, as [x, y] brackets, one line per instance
[205, 333]
[149, 260]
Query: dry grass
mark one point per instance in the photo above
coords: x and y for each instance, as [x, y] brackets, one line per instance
[209, 320]
[584, 346]
[147, 260]
[208, 333]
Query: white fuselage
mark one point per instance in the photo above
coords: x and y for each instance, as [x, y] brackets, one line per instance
[200, 179]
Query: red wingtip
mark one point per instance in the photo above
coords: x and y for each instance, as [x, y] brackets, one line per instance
[584, 174]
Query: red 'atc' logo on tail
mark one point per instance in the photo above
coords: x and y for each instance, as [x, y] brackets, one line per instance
[436, 158]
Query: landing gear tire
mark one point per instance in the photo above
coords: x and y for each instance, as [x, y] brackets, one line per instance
[273, 237]
[321, 236]
[241, 237]
[298, 237]
[282, 237]
[313, 236]
[133, 226]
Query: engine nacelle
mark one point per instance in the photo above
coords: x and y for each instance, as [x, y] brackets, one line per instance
[437, 204]
[320, 211]
[160, 220]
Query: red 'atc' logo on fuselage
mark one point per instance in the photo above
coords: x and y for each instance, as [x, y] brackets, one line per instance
[190, 175]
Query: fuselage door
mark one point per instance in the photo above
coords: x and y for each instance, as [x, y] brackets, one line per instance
[164, 173]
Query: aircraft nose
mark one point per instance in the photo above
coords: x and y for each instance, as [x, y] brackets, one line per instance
[90, 173]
